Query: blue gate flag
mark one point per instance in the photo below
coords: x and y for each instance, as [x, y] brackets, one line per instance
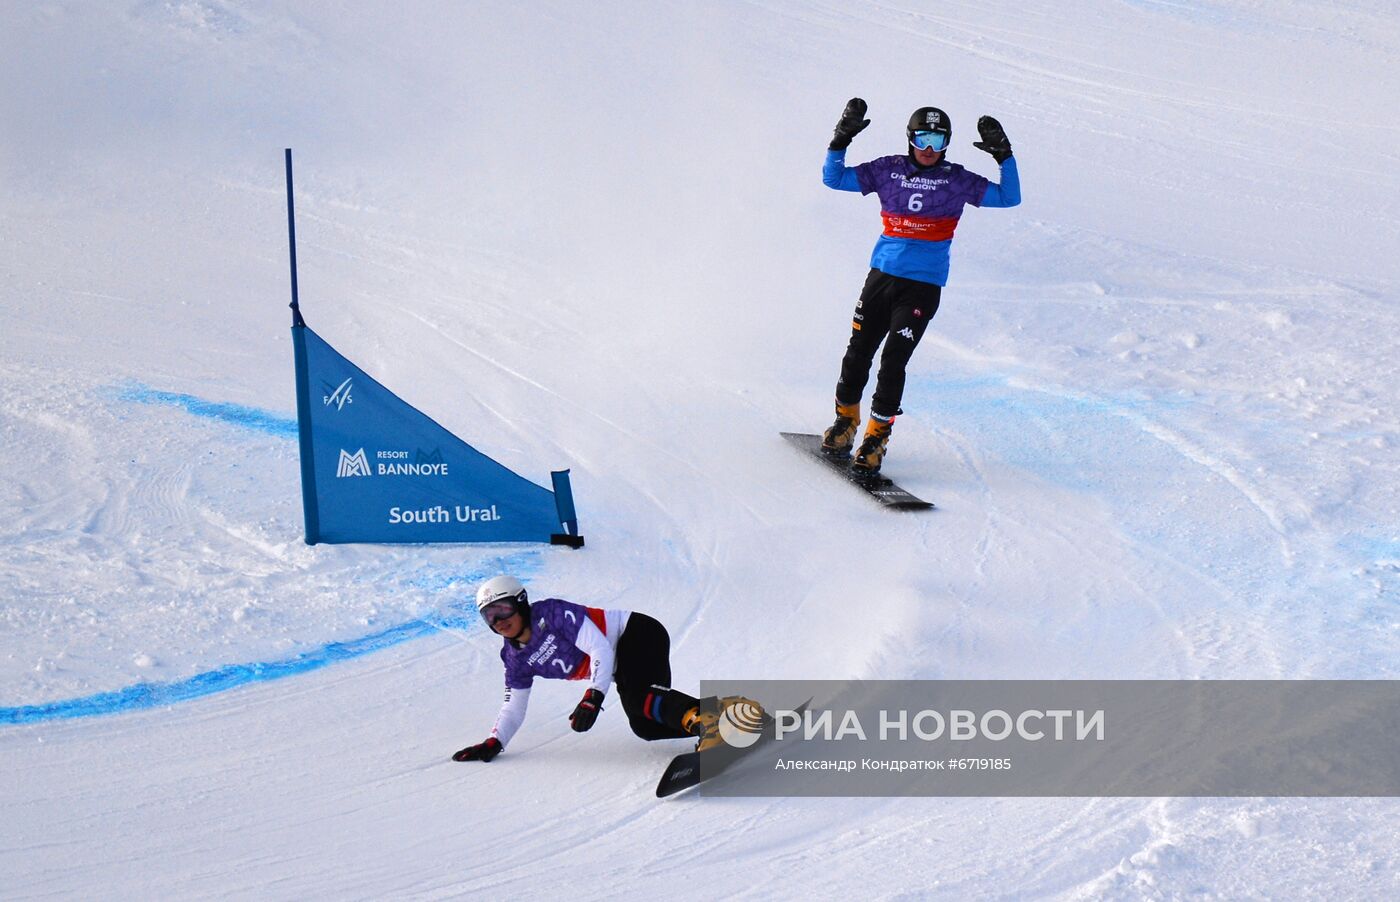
[376, 469]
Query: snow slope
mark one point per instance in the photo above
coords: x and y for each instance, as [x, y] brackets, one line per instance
[1156, 410]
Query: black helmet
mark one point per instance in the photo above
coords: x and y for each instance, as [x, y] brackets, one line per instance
[930, 119]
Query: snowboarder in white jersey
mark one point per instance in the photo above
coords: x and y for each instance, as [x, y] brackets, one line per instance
[560, 640]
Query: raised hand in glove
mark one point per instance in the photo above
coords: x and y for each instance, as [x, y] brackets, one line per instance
[852, 123]
[484, 751]
[994, 140]
[587, 711]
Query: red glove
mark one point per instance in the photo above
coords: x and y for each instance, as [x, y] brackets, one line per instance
[482, 752]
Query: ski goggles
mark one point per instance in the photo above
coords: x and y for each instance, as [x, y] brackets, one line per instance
[929, 140]
[497, 611]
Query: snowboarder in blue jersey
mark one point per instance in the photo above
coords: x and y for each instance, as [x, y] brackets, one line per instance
[560, 640]
[922, 196]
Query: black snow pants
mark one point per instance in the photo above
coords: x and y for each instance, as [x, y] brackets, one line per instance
[894, 310]
[642, 671]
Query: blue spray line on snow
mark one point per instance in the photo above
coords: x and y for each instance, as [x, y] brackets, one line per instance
[143, 696]
[156, 695]
[1375, 550]
[233, 414]
[1070, 438]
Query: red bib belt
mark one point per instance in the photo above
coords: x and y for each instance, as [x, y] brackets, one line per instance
[901, 225]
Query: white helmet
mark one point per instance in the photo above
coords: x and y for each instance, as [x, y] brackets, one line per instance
[503, 588]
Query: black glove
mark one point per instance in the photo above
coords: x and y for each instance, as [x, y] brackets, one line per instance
[587, 711]
[852, 122]
[994, 139]
[482, 752]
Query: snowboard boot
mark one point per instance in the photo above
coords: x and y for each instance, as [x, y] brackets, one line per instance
[872, 448]
[702, 716]
[837, 440]
[702, 722]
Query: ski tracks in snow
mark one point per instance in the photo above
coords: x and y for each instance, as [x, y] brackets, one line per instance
[158, 548]
[1118, 523]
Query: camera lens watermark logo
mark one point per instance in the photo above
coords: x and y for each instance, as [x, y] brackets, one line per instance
[741, 724]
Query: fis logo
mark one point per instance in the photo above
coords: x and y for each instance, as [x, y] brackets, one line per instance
[906, 332]
[352, 464]
[339, 397]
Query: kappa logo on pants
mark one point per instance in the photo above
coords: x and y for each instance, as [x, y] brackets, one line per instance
[906, 332]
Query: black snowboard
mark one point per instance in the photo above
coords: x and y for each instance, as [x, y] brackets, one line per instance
[881, 488]
[693, 768]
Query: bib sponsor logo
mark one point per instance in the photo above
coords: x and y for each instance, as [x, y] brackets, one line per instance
[546, 651]
[921, 183]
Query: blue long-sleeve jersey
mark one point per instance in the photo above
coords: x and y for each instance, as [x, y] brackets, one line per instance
[920, 207]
